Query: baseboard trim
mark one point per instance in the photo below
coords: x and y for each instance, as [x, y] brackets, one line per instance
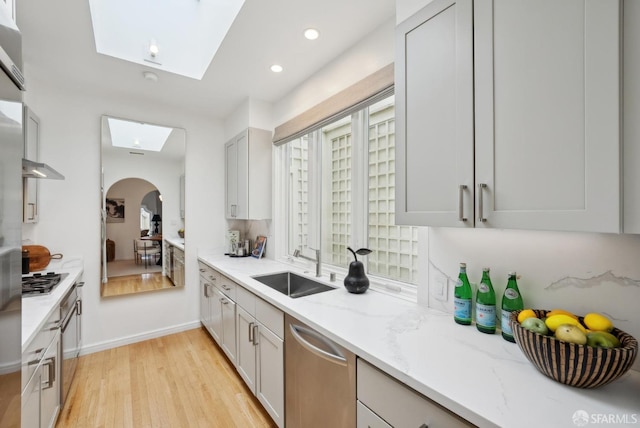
[128, 340]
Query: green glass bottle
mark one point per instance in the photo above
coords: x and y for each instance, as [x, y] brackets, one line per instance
[462, 297]
[511, 301]
[486, 305]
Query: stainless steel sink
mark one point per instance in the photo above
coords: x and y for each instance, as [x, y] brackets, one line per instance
[292, 285]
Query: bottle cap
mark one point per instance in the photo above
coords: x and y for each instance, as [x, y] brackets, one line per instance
[512, 273]
[463, 265]
[485, 269]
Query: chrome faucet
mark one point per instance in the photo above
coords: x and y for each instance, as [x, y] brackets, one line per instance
[296, 253]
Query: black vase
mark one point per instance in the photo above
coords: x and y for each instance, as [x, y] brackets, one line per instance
[356, 281]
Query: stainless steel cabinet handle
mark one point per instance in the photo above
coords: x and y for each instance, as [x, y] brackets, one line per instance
[224, 301]
[226, 288]
[202, 270]
[481, 187]
[51, 378]
[336, 357]
[461, 190]
[255, 335]
[79, 307]
[251, 331]
[233, 210]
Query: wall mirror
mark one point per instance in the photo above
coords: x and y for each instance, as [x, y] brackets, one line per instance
[142, 203]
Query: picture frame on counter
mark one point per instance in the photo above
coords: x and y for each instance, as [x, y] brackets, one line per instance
[259, 247]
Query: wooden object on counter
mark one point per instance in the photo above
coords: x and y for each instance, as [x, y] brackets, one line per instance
[39, 257]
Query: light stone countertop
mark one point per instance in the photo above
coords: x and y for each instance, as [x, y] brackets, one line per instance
[481, 377]
[176, 242]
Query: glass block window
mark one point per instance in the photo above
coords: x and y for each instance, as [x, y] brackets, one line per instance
[298, 155]
[354, 165]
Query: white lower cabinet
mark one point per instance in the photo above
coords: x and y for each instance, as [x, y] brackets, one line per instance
[40, 377]
[218, 309]
[384, 401]
[260, 360]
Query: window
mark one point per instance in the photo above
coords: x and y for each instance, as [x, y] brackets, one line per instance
[341, 191]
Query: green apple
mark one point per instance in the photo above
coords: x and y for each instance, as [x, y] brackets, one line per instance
[571, 333]
[602, 339]
[536, 325]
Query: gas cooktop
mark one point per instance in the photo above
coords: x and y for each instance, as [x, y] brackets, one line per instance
[39, 284]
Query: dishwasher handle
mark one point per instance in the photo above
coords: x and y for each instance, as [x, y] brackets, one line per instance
[336, 357]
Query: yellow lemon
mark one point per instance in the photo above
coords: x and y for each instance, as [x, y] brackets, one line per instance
[524, 314]
[555, 321]
[560, 312]
[598, 322]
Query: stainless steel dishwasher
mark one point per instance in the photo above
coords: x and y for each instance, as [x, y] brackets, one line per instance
[320, 379]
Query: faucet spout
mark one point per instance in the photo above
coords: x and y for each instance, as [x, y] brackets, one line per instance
[296, 253]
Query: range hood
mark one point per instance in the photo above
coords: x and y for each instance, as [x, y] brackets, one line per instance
[31, 169]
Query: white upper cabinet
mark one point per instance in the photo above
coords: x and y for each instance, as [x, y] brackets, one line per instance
[547, 93]
[542, 141]
[248, 175]
[31, 186]
[434, 116]
[631, 120]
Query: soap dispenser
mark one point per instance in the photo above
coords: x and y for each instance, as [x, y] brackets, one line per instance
[356, 281]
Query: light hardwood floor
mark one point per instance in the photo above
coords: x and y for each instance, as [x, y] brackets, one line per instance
[117, 286]
[180, 380]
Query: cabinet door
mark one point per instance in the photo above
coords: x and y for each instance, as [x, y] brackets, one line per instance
[32, 152]
[231, 165]
[270, 383]
[216, 315]
[182, 192]
[205, 306]
[547, 114]
[237, 164]
[631, 110]
[228, 328]
[30, 415]
[434, 120]
[246, 356]
[50, 392]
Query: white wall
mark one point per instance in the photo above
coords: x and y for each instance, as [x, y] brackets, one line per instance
[70, 209]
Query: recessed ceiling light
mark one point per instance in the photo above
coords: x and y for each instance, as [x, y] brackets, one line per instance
[311, 33]
[153, 48]
[276, 68]
[150, 76]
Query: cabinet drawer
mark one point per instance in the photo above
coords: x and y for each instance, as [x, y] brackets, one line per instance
[399, 405]
[206, 272]
[270, 316]
[246, 299]
[226, 286]
[367, 419]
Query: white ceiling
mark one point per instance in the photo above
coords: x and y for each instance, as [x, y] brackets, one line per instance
[58, 45]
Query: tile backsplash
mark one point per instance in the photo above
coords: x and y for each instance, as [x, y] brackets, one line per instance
[580, 272]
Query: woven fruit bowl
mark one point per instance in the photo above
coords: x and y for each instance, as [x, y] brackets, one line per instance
[581, 366]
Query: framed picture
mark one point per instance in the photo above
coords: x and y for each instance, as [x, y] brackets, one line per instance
[115, 210]
[258, 247]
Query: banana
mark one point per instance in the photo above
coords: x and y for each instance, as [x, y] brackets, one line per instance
[554, 321]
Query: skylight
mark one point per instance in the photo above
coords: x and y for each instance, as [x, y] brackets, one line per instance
[141, 136]
[178, 36]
